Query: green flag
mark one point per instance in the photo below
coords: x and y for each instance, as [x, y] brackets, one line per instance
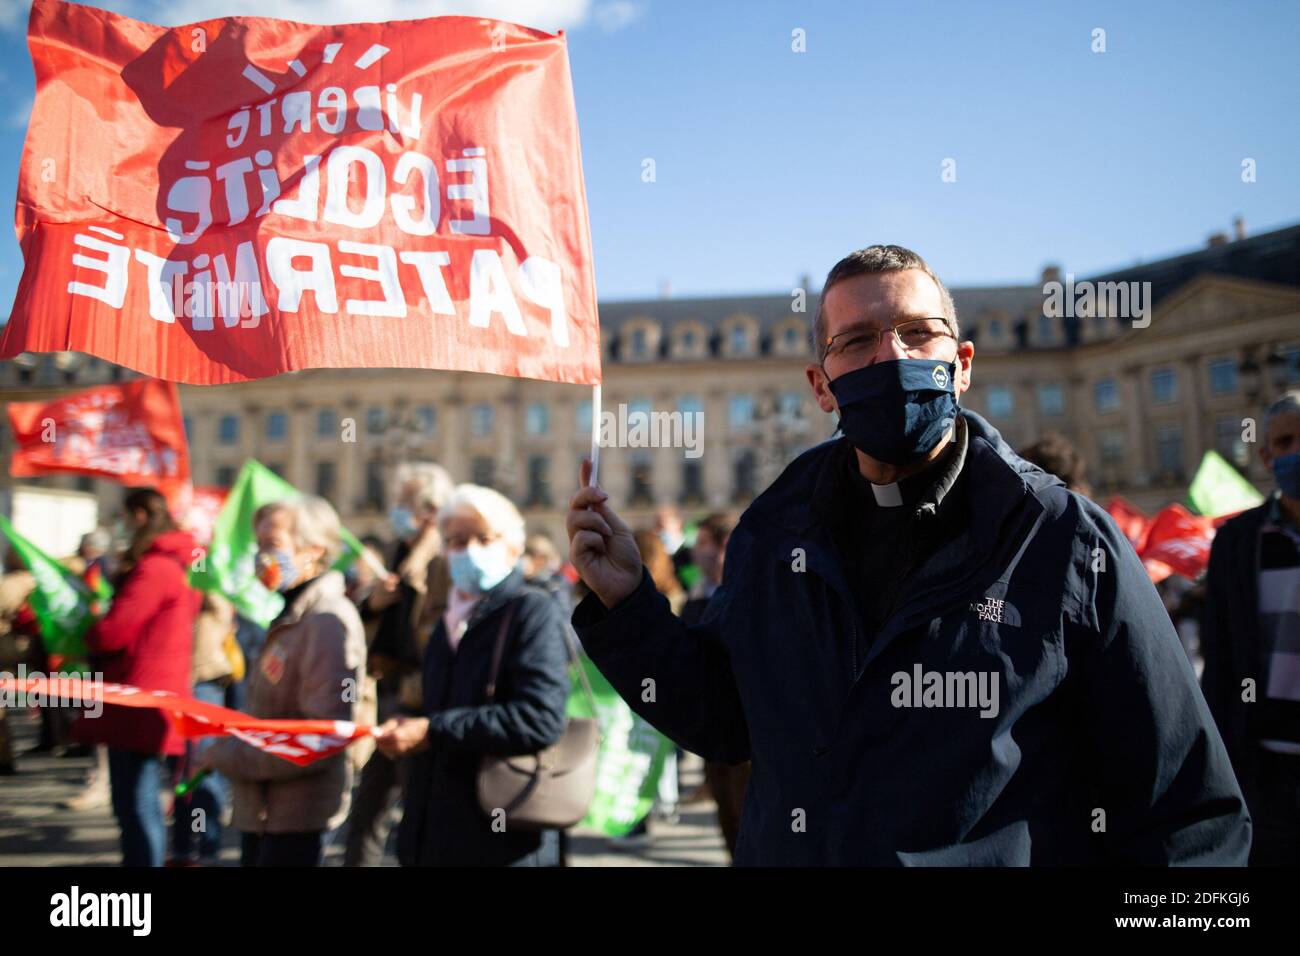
[1219, 489]
[630, 759]
[61, 600]
[229, 566]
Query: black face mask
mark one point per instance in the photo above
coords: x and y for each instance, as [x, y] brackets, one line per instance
[897, 411]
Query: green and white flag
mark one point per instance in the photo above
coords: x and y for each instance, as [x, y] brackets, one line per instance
[1219, 489]
[630, 759]
[61, 600]
[230, 564]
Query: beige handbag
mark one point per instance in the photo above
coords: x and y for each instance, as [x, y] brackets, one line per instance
[548, 790]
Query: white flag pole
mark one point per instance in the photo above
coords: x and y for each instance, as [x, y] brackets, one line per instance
[595, 434]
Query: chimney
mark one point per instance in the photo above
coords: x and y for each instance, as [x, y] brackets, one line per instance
[1051, 273]
[1239, 229]
[665, 289]
[1216, 239]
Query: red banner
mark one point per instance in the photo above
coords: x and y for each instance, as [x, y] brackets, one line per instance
[1131, 520]
[132, 433]
[1178, 542]
[298, 741]
[241, 197]
[199, 509]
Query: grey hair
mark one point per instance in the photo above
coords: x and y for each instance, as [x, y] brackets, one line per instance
[315, 524]
[870, 261]
[433, 485]
[1287, 404]
[497, 511]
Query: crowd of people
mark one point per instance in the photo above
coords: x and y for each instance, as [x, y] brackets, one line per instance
[409, 652]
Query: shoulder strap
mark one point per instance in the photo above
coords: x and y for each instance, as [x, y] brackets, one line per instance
[497, 651]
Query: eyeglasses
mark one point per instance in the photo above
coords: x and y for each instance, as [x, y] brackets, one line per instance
[915, 336]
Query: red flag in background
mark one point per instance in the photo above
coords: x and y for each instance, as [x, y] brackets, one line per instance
[1178, 542]
[132, 433]
[1131, 520]
[241, 197]
[197, 514]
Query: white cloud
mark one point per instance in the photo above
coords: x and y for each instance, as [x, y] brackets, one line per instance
[19, 118]
[617, 14]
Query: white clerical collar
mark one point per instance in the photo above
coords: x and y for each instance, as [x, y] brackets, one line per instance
[887, 496]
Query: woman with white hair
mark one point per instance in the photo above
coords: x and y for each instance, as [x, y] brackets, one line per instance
[314, 651]
[490, 607]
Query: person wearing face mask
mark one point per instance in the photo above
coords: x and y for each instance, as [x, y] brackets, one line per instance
[913, 639]
[407, 605]
[1250, 638]
[315, 649]
[490, 606]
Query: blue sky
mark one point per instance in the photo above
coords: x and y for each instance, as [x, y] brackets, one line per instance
[771, 163]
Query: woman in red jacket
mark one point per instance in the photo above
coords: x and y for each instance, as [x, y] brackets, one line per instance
[145, 640]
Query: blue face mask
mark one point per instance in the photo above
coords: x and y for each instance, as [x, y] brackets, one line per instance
[479, 567]
[403, 521]
[1286, 471]
[897, 411]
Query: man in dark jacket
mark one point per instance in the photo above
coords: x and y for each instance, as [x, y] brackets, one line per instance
[933, 653]
[1250, 636]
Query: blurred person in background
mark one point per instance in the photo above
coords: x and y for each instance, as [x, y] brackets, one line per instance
[541, 566]
[1057, 456]
[1250, 638]
[442, 823]
[726, 782]
[315, 650]
[408, 603]
[18, 631]
[146, 640]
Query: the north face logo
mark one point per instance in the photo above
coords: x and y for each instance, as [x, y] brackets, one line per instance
[990, 610]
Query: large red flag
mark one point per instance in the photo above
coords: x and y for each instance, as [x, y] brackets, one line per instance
[1178, 542]
[132, 433]
[240, 197]
[1131, 520]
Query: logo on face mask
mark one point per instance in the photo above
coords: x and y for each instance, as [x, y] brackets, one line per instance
[276, 570]
[897, 411]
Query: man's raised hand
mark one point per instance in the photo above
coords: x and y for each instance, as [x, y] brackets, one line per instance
[601, 545]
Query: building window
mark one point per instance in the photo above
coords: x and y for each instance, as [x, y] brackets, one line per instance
[539, 482]
[1292, 356]
[642, 492]
[327, 423]
[375, 484]
[1223, 377]
[483, 471]
[995, 329]
[275, 469]
[692, 482]
[789, 408]
[791, 337]
[1045, 330]
[1228, 443]
[690, 405]
[225, 476]
[1001, 401]
[1111, 447]
[228, 430]
[740, 411]
[325, 484]
[1105, 395]
[744, 483]
[374, 420]
[537, 419]
[480, 420]
[277, 426]
[636, 346]
[688, 340]
[85, 483]
[1169, 450]
[1051, 399]
[426, 419]
[739, 340]
[1164, 386]
[582, 417]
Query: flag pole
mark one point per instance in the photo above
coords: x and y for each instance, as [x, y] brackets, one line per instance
[595, 434]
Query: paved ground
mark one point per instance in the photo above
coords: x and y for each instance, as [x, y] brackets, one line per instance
[35, 831]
